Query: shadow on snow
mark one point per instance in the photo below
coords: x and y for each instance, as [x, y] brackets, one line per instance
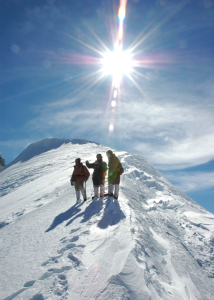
[112, 214]
[65, 216]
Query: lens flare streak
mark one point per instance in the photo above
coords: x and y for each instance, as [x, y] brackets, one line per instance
[121, 18]
[118, 62]
[121, 62]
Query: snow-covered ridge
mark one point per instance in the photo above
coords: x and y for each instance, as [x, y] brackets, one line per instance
[154, 243]
[45, 145]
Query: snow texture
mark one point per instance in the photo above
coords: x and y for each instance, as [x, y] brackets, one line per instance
[153, 243]
[45, 145]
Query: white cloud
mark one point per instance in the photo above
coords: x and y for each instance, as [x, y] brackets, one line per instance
[189, 181]
[170, 134]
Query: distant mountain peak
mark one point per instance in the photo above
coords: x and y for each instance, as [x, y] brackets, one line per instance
[45, 145]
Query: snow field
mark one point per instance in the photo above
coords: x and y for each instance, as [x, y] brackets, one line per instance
[154, 243]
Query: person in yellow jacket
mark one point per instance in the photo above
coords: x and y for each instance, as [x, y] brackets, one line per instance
[79, 176]
[114, 171]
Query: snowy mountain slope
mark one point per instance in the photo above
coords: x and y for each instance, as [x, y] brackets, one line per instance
[45, 145]
[154, 243]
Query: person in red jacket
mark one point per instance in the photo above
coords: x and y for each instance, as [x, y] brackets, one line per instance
[79, 176]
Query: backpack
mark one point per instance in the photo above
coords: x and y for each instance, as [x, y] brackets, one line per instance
[121, 170]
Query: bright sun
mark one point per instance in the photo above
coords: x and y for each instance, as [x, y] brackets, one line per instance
[117, 63]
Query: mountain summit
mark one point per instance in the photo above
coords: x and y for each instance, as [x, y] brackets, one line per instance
[45, 145]
[153, 243]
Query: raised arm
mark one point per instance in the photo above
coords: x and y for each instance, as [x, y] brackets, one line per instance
[90, 166]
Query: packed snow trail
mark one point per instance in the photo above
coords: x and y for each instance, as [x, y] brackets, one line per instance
[154, 243]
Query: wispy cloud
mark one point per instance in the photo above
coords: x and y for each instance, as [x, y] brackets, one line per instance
[169, 134]
[189, 181]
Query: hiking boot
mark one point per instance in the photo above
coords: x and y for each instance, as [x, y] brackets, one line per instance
[108, 195]
[115, 197]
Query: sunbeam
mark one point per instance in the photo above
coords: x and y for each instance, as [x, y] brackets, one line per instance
[117, 63]
[132, 62]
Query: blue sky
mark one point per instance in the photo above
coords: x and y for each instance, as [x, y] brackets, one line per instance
[50, 87]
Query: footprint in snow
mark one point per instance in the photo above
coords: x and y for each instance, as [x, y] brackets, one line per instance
[62, 281]
[37, 200]
[51, 260]
[63, 240]
[60, 285]
[37, 297]
[45, 276]
[20, 213]
[60, 270]
[74, 239]
[53, 271]
[62, 277]
[75, 261]
[86, 232]
[74, 230]
[2, 224]
[29, 283]
[67, 247]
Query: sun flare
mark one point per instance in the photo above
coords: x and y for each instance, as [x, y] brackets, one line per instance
[117, 63]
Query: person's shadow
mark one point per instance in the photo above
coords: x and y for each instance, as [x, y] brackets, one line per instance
[92, 209]
[65, 216]
[112, 214]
